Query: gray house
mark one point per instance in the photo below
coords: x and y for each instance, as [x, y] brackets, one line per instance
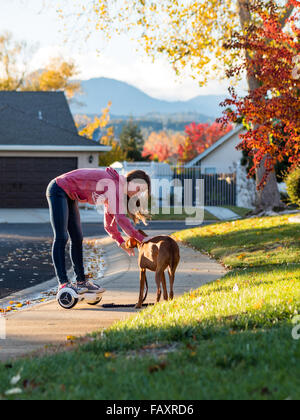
[38, 141]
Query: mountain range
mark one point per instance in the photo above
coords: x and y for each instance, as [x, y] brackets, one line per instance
[127, 100]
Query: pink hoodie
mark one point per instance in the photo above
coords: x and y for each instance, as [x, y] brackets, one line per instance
[106, 187]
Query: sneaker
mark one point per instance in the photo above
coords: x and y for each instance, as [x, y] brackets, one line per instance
[91, 287]
[80, 289]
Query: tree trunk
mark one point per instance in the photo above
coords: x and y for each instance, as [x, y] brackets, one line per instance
[268, 198]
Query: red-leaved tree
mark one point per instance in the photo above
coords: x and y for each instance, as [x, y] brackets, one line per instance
[200, 137]
[162, 146]
[271, 111]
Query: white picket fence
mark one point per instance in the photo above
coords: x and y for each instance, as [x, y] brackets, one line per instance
[220, 189]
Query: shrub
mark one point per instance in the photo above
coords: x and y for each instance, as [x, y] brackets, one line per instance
[293, 186]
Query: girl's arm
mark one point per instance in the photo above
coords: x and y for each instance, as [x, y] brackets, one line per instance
[111, 226]
[127, 227]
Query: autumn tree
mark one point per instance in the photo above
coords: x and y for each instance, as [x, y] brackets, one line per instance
[99, 126]
[89, 127]
[271, 111]
[15, 73]
[56, 76]
[191, 35]
[163, 146]
[200, 137]
[13, 62]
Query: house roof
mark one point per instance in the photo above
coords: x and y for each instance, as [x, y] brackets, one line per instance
[20, 130]
[215, 146]
[51, 106]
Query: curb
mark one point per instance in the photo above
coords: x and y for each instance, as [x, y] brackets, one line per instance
[30, 293]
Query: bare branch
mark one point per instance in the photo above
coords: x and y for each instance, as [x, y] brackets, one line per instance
[244, 13]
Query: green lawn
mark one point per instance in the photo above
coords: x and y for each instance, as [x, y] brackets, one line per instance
[231, 339]
[173, 216]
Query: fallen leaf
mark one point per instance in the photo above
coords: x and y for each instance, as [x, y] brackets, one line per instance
[259, 304]
[109, 355]
[14, 391]
[265, 391]
[71, 338]
[158, 367]
[15, 379]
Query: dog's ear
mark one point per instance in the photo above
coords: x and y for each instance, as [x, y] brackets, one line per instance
[143, 233]
[131, 243]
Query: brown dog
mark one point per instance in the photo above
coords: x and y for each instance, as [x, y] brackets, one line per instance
[156, 254]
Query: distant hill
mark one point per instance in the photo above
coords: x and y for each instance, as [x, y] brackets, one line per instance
[130, 101]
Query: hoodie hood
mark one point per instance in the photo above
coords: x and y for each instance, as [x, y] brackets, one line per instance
[115, 176]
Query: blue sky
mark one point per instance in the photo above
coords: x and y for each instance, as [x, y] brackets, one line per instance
[28, 20]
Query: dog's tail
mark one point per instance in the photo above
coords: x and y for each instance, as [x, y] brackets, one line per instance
[147, 290]
[175, 256]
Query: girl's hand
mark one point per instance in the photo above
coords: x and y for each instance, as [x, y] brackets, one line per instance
[129, 251]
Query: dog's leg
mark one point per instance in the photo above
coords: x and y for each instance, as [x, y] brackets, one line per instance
[164, 284]
[158, 283]
[172, 280]
[142, 287]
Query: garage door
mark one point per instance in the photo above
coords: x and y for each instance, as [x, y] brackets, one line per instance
[23, 181]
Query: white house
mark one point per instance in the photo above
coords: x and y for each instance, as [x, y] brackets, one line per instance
[224, 158]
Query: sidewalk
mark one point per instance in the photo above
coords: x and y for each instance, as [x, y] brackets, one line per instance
[47, 323]
[222, 213]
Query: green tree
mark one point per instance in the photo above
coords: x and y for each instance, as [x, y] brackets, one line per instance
[132, 142]
[115, 155]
